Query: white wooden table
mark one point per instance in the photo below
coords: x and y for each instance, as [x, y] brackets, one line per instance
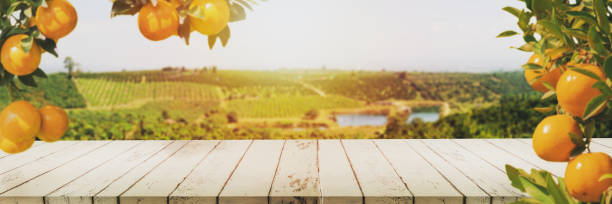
[270, 171]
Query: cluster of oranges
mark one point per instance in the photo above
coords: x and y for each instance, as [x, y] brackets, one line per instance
[21, 123]
[54, 21]
[552, 139]
[159, 22]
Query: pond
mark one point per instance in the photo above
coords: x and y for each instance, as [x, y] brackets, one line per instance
[361, 120]
[425, 116]
[345, 120]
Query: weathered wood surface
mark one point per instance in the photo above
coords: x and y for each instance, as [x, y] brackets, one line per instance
[270, 171]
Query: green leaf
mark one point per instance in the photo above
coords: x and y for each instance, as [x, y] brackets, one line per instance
[585, 72]
[28, 80]
[605, 176]
[583, 16]
[523, 21]
[595, 41]
[601, 12]
[555, 190]
[196, 12]
[26, 44]
[224, 35]
[47, 45]
[605, 89]
[548, 86]
[237, 13]
[245, 4]
[570, 199]
[39, 73]
[184, 30]
[554, 29]
[212, 39]
[513, 174]
[532, 66]
[126, 7]
[607, 68]
[594, 106]
[541, 7]
[548, 94]
[537, 192]
[507, 33]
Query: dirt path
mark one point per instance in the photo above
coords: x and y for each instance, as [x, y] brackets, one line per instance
[315, 89]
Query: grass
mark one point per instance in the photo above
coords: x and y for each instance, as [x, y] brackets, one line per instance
[288, 106]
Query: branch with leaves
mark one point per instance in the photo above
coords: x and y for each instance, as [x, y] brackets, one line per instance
[571, 42]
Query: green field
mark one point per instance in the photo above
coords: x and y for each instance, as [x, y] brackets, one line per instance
[224, 104]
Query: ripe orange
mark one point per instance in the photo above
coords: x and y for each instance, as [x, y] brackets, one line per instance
[551, 138]
[158, 22]
[15, 60]
[57, 20]
[582, 176]
[575, 90]
[19, 121]
[54, 123]
[216, 16]
[11, 147]
[549, 76]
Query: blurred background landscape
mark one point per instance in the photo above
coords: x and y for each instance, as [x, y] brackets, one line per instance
[298, 69]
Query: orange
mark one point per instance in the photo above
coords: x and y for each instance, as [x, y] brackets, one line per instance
[216, 16]
[54, 123]
[11, 147]
[551, 138]
[549, 76]
[15, 60]
[57, 20]
[582, 176]
[575, 90]
[158, 22]
[19, 121]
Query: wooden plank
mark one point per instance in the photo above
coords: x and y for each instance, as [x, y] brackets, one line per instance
[252, 180]
[82, 190]
[46, 183]
[603, 141]
[490, 179]
[523, 150]
[110, 194]
[378, 180]
[472, 193]
[206, 181]
[16, 177]
[424, 182]
[338, 182]
[494, 155]
[33, 154]
[156, 186]
[297, 179]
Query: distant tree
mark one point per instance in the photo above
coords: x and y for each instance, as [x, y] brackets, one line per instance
[70, 64]
[402, 75]
[214, 69]
[232, 117]
[311, 114]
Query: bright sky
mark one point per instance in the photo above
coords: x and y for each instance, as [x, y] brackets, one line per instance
[430, 35]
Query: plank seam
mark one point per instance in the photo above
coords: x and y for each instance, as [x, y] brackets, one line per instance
[394, 170]
[468, 177]
[319, 173]
[516, 156]
[234, 170]
[353, 170]
[439, 172]
[600, 142]
[95, 167]
[8, 155]
[481, 158]
[52, 153]
[276, 171]
[62, 164]
[192, 170]
[139, 179]
[134, 167]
